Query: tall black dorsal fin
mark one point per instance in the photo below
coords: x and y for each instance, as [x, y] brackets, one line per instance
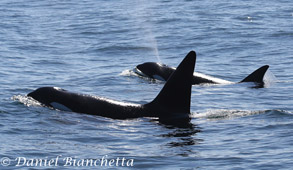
[257, 75]
[175, 95]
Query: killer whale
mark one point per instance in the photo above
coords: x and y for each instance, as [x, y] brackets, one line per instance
[162, 72]
[172, 102]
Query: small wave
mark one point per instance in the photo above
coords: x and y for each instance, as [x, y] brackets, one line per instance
[28, 101]
[225, 114]
[279, 112]
[285, 34]
[285, 81]
[228, 114]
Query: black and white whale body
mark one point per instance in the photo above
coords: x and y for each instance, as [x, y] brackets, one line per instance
[162, 72]
[172, 103]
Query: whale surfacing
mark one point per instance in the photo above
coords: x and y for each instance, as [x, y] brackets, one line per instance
[173, 101]
[162, 72]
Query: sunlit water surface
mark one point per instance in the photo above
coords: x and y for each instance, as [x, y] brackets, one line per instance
[88, 46]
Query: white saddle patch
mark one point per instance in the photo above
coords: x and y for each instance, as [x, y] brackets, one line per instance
[60, 106]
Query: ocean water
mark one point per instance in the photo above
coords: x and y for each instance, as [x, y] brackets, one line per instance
[88, 47]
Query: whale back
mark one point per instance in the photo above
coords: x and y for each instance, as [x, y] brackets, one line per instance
[154, 70]
[172, 101]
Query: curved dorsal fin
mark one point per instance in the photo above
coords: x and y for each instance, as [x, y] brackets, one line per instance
[257, 75]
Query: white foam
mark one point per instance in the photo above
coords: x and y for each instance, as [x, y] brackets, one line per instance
[224, 114]
[28, 101]
[128, 73]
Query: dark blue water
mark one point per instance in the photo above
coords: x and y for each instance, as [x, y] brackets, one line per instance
[88, 46]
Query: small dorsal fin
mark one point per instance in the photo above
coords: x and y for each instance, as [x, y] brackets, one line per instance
[257, 75]
[175, 96]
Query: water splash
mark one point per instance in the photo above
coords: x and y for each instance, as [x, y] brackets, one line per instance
[225, 114]
[269, 78]
[127, 73]
[28, 101]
